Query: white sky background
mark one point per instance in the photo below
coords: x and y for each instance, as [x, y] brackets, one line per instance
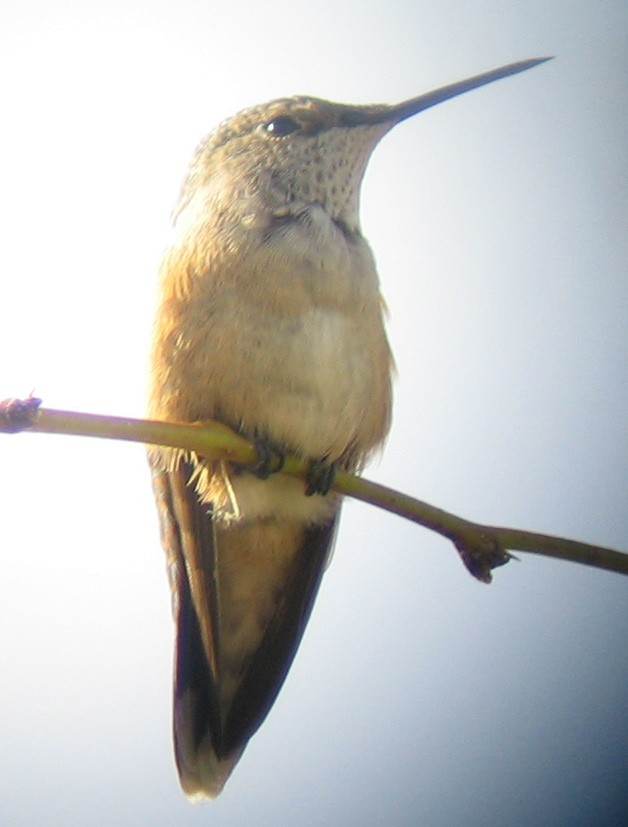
[419, 697]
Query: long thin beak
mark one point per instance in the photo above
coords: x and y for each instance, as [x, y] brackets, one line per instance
[400, 111]
[408, 108]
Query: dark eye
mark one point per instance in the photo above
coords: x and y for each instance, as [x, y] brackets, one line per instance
[281, 126]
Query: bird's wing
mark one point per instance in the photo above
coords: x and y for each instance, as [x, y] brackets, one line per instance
[242, 595]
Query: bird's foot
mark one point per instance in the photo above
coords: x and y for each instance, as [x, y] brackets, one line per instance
[320, 477]
[270, 460]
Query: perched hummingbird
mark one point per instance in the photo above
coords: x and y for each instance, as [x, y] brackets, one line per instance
[271, 321]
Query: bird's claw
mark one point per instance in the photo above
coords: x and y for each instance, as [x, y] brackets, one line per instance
[270, 460]
[320, 477]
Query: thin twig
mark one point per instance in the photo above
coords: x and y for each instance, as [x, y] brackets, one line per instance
[481, 547]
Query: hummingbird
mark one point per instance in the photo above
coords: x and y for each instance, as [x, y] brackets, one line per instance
[271, 321]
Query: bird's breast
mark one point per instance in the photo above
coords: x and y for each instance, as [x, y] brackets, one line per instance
[283, 336]
[314, 350]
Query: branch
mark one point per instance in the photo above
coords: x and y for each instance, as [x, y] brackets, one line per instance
[481, 547]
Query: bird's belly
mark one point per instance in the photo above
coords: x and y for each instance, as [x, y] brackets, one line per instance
[316, 398]
[319, 383]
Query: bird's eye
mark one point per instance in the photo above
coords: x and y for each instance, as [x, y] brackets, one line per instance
[281, 126]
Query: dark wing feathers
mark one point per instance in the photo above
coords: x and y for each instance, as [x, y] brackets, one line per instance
[213, 724]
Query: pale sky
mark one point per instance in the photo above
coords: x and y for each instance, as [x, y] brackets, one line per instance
[498, 220]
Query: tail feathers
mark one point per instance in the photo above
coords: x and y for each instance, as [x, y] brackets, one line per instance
[242, 595]
[201, 772]
[196, 713]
